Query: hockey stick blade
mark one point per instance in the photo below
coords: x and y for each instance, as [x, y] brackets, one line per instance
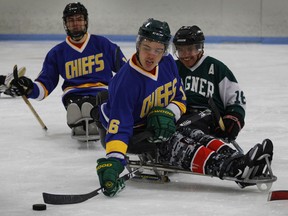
[62, 199]
[15, 72]
[278, 195]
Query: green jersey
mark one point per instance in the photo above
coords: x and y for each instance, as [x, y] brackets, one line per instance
[212, 78]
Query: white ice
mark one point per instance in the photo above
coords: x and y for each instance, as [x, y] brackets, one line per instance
[33, 161]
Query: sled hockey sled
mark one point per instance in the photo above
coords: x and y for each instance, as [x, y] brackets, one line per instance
[86, 136]
[145, 163]
[82, 124]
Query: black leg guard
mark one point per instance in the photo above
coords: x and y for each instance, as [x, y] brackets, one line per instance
[178, 151]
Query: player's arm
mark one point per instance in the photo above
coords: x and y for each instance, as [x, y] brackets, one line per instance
[119, 131]
[234, 101]
[120, 59]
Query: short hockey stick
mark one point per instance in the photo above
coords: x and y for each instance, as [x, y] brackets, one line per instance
[145, 134]
[195, 118]
[217, 113]
[15, 73]
[62, 199]
[278, 195]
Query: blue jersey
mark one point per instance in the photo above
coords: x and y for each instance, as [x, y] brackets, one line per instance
[85, 70]
[132, 93]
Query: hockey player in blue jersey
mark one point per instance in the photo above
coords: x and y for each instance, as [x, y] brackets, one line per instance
[147, 94]
[85, 62]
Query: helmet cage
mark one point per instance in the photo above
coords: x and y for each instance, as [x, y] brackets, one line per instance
[193, 49]
[73, 9]
[140, 38]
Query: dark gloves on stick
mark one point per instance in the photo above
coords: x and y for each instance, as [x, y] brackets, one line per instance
[21, 86]
[233, 124]
[108, 170]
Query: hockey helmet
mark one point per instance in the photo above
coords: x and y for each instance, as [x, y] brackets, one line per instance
[70, 10]
[188, 35]
[155, 30]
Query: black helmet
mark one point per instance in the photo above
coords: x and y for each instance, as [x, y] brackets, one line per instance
[70, 10]
[188, 35]
[74, 8]
[155, 30]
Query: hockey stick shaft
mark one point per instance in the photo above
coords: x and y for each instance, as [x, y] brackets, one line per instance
[34, 113]
[145, 134]
[15, 74]
[62, 199]
[217, 113]
[236, 145]
[195, 118]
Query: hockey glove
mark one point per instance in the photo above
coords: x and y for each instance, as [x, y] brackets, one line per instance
[233, 124]
[161, 122]
[108, 171]
[6, 81]
[21, 86]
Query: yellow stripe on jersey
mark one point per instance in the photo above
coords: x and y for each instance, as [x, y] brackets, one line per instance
[116, 146]
[43, 92]
[86, 85]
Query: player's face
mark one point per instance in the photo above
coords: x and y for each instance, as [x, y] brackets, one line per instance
[150, 54]
[76, 23]
[189, 54]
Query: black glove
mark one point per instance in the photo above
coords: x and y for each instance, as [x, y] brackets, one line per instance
[21, 86]
[162, 122]
[233, 122]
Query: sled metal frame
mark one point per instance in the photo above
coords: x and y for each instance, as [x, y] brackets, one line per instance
[263, 182]
[85, 137]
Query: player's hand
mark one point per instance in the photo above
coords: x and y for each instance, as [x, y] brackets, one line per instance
[161, 122]
[108, 170]
[233, 124]
[21, 86]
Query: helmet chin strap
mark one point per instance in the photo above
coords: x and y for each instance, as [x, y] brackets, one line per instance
[199, 56]
[77, 38]
[138, 59]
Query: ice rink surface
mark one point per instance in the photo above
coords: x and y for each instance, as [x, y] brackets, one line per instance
[33, 161]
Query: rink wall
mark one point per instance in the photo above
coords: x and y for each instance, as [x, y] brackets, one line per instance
[255, 21]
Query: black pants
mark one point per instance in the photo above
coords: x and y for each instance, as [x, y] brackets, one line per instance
[137, 147]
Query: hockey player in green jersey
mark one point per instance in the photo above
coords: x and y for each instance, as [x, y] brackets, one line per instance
[204, 77]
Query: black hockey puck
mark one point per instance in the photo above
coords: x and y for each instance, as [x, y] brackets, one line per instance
[39, 207]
